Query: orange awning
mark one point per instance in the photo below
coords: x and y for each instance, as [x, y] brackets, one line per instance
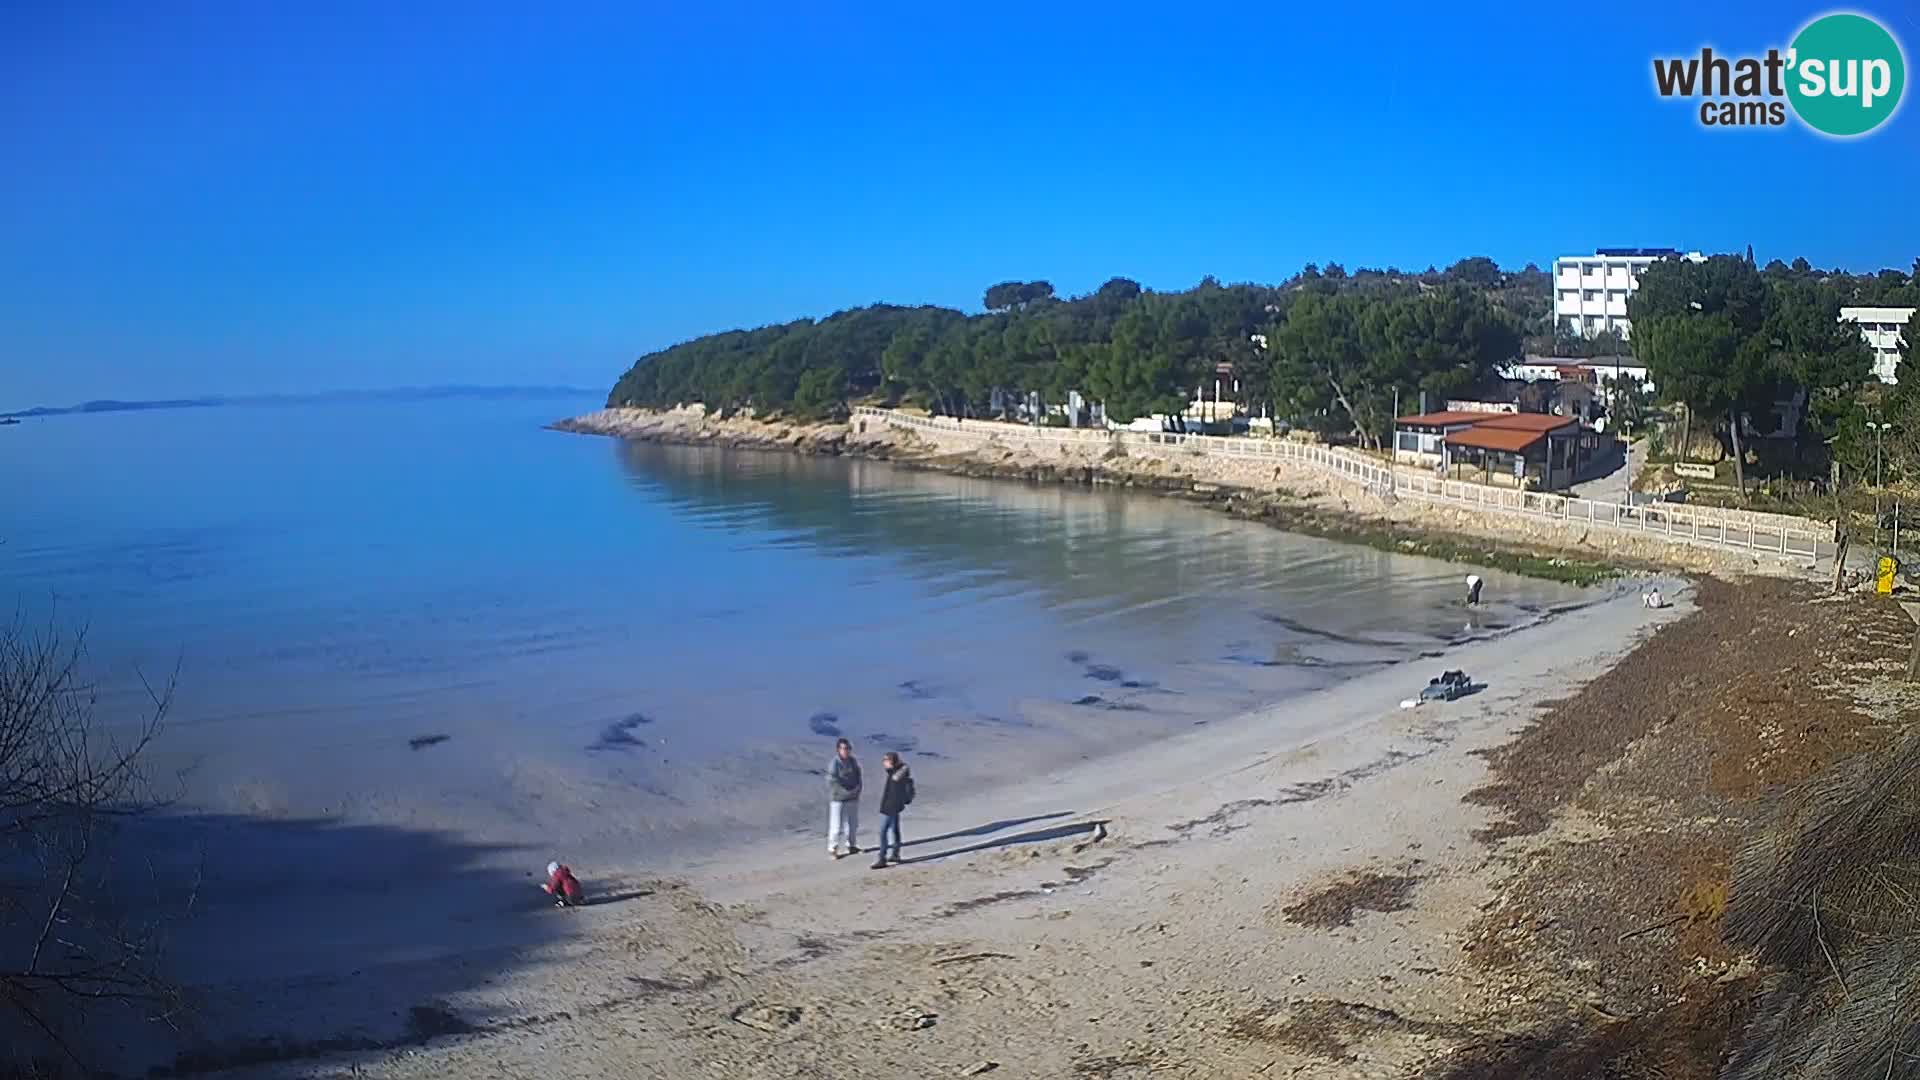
[1492, 438]
[1527, 422]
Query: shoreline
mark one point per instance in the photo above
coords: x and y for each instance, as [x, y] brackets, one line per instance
[325, 892]
[1096, 901]
[1288, 499]
[1329, 887]
[1346, 752]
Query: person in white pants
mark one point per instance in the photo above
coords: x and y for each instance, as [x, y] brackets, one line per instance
[843, 802]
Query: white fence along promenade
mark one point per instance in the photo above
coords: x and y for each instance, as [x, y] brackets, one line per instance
[1773, 534]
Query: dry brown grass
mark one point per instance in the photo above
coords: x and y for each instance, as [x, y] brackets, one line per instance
[1668, 758]
[1684, 1042]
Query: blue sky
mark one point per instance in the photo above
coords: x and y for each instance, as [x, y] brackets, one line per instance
[207, 198]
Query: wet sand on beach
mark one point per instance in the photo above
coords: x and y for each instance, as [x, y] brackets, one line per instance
[1192, 905]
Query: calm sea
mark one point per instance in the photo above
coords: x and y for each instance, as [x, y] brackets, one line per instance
[440, 614]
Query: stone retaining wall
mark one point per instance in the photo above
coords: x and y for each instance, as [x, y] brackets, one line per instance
[983, 448]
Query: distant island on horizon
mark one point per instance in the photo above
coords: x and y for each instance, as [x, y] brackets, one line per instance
[405, 393]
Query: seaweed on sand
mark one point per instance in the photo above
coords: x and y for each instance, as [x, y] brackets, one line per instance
[1829, 892]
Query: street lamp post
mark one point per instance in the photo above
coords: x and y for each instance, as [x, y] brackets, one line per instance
[1626, 463]
[1393, 457]
[1879, 442]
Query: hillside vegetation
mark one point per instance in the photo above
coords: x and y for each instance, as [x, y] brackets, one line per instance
[1324, 349]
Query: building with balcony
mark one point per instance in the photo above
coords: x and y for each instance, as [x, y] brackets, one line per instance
[1590, 291]
[1596, 370]
[1882, 328]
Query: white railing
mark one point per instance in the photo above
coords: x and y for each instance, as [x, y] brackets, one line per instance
[984, 428]
[1674, 522]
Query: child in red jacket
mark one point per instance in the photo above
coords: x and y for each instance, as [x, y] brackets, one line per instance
[563, 886]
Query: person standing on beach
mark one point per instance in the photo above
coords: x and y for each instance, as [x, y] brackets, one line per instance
[843, 801]
[1474, 584]
[893, 799]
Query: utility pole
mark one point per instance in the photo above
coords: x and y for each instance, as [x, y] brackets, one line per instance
[1879, 441]
[1393, 458]
[1879, 460]
[1626, 463]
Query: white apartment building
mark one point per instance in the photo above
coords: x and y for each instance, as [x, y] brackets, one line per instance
[1596, 370]
[1882, 328]
[1590, 291]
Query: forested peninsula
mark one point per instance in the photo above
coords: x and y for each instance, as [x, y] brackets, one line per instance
[1326, 348]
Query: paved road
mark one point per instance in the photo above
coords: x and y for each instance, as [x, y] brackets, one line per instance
[1609, 486]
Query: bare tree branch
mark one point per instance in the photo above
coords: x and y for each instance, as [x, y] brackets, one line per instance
[53, 916]
[72, 940]
[34, 1018]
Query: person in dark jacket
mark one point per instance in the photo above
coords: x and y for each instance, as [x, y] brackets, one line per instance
[843, 801]
[893, 799]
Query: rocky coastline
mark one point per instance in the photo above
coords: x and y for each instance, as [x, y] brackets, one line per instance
[1287, 499]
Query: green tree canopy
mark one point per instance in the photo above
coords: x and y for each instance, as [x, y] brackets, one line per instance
[1017, 294]
[1728, 341]
[1342, 357]
[1325, 348]
[1811, 349]
[1478, 271]
[1698, 327]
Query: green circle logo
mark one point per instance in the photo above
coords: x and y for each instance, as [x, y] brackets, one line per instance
[1846, 75]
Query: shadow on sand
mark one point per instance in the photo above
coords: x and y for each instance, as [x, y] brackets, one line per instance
[1034, 836]
[308, 938]
[601, 899]
[987, 829]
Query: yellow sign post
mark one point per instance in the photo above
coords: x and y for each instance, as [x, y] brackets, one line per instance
[1883, 584]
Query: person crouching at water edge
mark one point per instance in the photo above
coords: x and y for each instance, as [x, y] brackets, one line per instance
[843, 802]
[894, 798]
[563, 886]
[1473, 590]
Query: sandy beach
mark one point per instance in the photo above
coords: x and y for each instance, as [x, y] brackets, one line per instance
[1200, 906]
[1528, 881]
[1443, 636]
